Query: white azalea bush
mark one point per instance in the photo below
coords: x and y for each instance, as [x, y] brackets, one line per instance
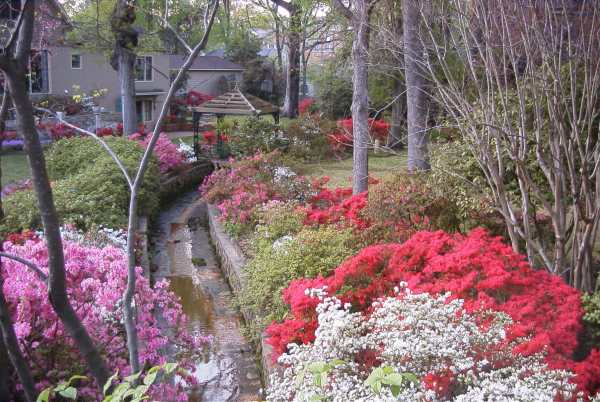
[413, 347]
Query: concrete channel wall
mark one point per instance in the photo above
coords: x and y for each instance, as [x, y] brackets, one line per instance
[232, 263]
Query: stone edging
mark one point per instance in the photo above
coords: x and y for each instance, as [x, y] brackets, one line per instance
[232, 262]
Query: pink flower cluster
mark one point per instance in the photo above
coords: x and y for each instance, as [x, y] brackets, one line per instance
[96, 278]
[168, 154]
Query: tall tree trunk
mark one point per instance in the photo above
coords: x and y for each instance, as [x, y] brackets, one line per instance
[126, 60]
[57, 284]
[416, 97]
[292, 86]
[360, 98]
[398, 115]
[5, 369]
[126, 41]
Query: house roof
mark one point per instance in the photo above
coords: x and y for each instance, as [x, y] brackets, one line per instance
[236, 103]
[59, 10]
[205, 63]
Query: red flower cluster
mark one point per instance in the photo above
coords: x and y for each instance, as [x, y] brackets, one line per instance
[378, 129]
[195, 98]
[478, 268]
[340, 140]
[8, 135]
[105, 132]
[305, 105]
[22, 237]
[336, 206]
[60, 130]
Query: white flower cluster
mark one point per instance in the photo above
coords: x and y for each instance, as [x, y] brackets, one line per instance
[280, 243]
[417, 334]
[187, 150]
[101, 237]
[282, 173]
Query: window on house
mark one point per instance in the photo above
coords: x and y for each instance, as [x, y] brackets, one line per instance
[144, 110]
[75, 61]
[143, 68]
[38, 73]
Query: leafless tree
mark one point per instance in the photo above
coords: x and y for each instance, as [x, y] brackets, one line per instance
[521, 81]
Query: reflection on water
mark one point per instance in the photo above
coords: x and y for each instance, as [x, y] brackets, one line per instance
[230, 371]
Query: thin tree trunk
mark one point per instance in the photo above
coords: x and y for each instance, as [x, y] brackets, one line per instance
[5, 372]
[360, 98]
[292, 86]
[57, 286]
[416, 100]
[11, 343]
[398, 115]
[127, 80]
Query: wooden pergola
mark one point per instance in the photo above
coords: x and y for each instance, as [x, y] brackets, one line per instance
[233, 103]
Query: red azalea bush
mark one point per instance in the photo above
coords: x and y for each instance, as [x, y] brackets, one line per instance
[60, 130]
[341, 138]
[306, 105]
[478, 268]
[8, 135]
[96, 278]
[210, 137]
[105, 132]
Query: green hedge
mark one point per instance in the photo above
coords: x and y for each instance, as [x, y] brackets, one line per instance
[88, 187]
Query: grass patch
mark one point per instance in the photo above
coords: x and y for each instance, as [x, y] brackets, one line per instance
[340, 172]
[14, 167]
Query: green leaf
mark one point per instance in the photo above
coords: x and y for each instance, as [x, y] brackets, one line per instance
[76, 377]
[393, 379]
[410, 377]
[395, 390]
[377, 387]
[132, 378]
[170, 367]
[337, 362]
[387, 370]
[44, 396]
[317, 367]
[150, 378]
[109, 382]
[69, 393]
[315, 398]
[323, 378]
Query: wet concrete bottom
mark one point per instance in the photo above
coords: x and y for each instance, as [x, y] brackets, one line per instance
[230, 371]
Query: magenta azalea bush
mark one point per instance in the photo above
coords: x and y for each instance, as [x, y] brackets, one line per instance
[96, 279]
[168, 154]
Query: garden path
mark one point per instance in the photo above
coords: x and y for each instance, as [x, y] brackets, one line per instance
[184, 255]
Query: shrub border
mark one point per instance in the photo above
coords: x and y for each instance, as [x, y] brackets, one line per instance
[232, 262]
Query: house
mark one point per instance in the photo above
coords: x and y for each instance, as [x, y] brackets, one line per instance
[211, 75]
[59, 69]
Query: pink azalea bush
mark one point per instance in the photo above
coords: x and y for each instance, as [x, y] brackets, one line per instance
[169, 156]
[96, 278]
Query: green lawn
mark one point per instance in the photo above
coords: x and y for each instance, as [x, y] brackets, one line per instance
[340, 172]
[14, 166]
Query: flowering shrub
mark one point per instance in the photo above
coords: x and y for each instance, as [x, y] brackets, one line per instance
[336, 206]
[60, 130]
[210, 137]
[96, 278]
[105, 132]
[8, 135]
[306, 105]
[378, 129]
[413, 347]
[478, 268]
[254, 135]
[240, 189]
[308, 137]
[169, 156]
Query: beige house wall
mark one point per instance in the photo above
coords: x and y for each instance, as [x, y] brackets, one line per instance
[96, 73]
